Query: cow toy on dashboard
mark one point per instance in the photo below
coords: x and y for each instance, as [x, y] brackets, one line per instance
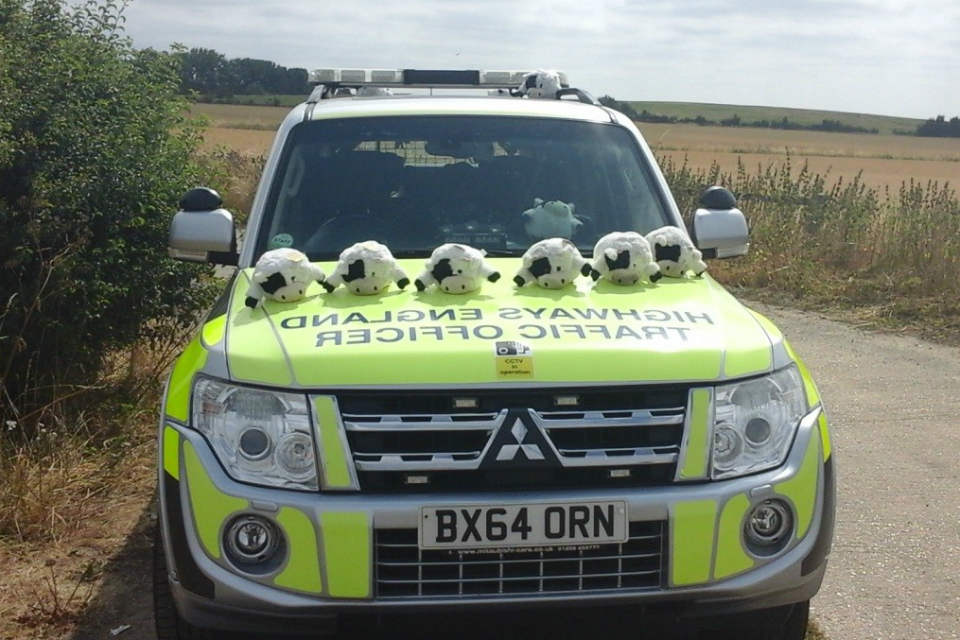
[550, 219]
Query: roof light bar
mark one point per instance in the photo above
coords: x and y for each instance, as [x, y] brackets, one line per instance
[421, 78]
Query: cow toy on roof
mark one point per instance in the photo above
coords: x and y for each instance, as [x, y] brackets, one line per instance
[542, 83]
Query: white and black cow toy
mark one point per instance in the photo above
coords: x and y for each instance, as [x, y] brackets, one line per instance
[550, 219]
[552, 264]
[542, 83]
[674, 252]
[369, 92]
[624, 257]
[366, 269]
[282, 275]
[456, 268]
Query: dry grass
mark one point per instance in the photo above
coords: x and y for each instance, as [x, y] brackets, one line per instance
[73, 507]
[236, 175]
[240, 140]
[880, 259]
[70, 494]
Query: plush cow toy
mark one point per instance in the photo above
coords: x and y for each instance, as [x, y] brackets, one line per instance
[365, 269]
[542, 83]
[282, 275]
[552, 264]
[675, 253]
[624, 257]
[367, 92]
[456, 268]
[550, 219]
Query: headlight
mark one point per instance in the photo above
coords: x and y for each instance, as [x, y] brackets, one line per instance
[260, 437]
[755, 423]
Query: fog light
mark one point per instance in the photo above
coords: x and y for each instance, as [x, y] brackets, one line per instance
[252, 540]
[769, 524]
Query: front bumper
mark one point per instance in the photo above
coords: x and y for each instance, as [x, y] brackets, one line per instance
[330, 564]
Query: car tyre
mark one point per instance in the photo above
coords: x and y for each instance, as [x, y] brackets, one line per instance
[169, 625]
[780, 623]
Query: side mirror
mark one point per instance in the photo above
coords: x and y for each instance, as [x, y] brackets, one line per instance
[719, 228]
[203, 231]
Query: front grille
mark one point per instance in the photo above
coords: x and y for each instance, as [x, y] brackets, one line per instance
[421, 442]
[407, 442]
[403, 570]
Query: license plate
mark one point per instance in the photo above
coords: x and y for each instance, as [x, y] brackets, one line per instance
[523, 525]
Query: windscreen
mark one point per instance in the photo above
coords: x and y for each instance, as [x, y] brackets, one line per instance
[495, 183]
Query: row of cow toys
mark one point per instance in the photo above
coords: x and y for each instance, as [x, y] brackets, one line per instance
[368, 268]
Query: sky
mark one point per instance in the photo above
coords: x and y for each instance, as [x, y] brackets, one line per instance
[885, 57]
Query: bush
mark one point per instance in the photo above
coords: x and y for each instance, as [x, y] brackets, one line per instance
[94, 153]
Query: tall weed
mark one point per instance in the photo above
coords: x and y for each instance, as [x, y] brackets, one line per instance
[824, 241]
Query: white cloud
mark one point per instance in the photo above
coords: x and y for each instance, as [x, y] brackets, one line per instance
[899, 57]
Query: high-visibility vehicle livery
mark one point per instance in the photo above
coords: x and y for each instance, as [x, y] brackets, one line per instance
[658, 446]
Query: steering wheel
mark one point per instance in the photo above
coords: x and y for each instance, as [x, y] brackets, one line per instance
[339, 232]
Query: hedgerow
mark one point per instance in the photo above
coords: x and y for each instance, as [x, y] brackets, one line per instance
[94, 152]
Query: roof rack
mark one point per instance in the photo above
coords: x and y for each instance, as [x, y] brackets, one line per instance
[331, 83]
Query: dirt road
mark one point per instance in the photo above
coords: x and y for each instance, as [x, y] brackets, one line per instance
[894, 574]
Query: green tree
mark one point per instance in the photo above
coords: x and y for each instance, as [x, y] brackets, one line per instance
[206, 71]
[94, 153]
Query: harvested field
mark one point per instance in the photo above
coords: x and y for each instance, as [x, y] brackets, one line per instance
[234, 116]
[884, 160]
[876, 172]
[807, 143]
[246, 141]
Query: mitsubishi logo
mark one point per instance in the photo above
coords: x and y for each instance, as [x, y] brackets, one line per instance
[520, 443]
[510, 451]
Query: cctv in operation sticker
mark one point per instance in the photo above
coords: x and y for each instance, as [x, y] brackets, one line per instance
[514, 360]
